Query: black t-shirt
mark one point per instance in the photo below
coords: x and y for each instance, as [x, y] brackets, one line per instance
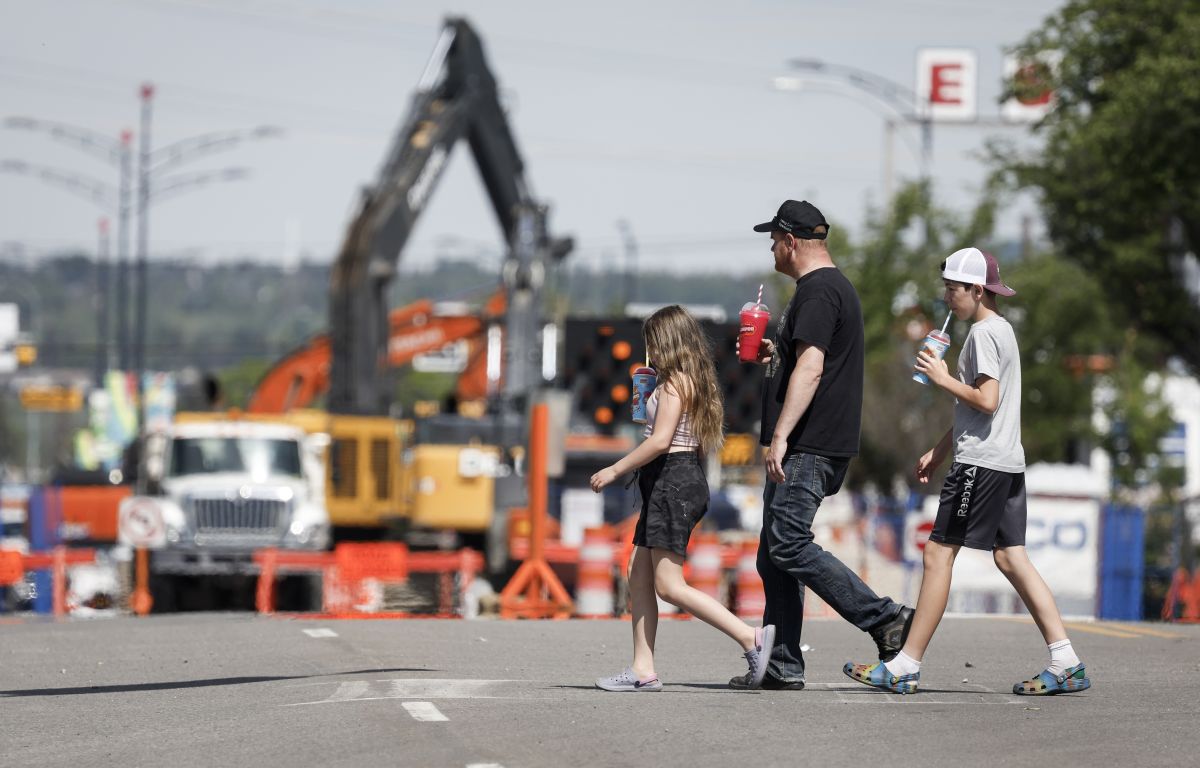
[825, 313]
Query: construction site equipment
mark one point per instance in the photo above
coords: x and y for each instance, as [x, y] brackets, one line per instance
[14, 564]
[344, 570]
[534, 592]
[457, 99]
[224, 488]
[594, 585]
[751, 598]
[301, 376]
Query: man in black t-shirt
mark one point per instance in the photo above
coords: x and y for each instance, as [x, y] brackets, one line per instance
[811, 414]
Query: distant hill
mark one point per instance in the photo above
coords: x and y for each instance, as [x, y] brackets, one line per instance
[213, 317]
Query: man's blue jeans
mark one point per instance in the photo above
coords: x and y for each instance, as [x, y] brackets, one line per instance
[788, 561]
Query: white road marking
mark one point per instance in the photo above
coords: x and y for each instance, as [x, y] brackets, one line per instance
[320, 633]
[424, 711]
[375, 690]
[981, 695]
[350, 691]
[484, 765]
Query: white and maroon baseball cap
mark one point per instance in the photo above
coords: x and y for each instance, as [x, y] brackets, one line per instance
[974, 267]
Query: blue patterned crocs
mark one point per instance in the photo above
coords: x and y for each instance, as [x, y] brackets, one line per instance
[1047, 684]
[877, 676]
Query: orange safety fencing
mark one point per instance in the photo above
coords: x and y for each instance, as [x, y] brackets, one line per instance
[14, 564]
[1183, 598]
[602, 568]
[350, 565]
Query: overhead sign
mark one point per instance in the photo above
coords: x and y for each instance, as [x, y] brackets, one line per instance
[1031, 82]
[947, 88]
[51, 398]
[140, 523]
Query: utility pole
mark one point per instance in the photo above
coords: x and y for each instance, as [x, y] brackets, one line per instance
[147, 95]
[124, 192]
[629, 289]
[102, 280]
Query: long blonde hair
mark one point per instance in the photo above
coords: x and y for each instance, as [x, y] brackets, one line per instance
[681, 354]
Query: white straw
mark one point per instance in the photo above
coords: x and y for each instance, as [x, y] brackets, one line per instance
[760, 287]
[948, 314]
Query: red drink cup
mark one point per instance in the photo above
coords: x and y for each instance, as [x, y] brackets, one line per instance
[754, 318]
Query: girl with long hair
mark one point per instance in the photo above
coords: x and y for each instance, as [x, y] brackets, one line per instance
[684, 421]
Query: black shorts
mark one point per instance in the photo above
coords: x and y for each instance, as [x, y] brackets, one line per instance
[981, 508]
[674, 498]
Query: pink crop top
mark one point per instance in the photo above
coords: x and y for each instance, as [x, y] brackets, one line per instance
[683, 430]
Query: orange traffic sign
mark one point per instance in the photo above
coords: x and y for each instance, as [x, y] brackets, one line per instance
[51, 398]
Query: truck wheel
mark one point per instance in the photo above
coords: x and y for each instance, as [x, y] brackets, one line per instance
[300, 593]
[165, 593]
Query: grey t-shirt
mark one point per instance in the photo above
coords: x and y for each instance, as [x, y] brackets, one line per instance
[992, 441]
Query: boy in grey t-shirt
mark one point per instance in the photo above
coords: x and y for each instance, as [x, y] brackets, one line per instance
[982, 503]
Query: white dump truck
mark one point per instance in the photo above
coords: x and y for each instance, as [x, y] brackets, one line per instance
[225, 488]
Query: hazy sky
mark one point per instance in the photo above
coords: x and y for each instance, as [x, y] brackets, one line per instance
[658, 113]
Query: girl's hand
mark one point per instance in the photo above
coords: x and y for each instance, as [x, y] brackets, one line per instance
[934, 368]
[602, 478]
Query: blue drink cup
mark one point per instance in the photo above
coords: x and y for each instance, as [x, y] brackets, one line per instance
[936, 344]
[644, 381]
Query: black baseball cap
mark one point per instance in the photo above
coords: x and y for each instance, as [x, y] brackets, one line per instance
[798, 219]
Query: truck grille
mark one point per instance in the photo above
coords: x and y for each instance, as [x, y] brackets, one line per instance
[224, 517]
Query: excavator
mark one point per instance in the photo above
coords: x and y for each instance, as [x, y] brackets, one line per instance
[388, 476]
[301, 377]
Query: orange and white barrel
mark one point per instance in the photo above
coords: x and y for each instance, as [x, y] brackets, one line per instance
[594, 587]
[705, 559]
[751, 598]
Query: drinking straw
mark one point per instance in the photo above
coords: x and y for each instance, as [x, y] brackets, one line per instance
[759, 301]
[948, 314]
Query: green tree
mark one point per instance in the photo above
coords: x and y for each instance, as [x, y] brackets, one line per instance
[238, 381]
[894, 267]
[1119, 166]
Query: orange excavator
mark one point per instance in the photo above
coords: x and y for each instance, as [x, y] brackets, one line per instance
[302, 375]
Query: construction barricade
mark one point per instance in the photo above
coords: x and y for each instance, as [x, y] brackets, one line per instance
[352, 571]
[14, 565]
[1182, 603]
[594, 582]
[704, 560]
[751, 598]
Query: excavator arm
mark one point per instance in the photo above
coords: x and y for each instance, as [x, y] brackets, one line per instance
[456, 98]
[302, 375]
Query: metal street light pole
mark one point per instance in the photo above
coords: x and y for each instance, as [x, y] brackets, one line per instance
[102, 255]
[904, 101]
[115, 152]
[139, 362]
[887, 111]
[151, 164]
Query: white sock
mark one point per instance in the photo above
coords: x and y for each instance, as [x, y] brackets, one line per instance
[1062, 656]
[902, 665]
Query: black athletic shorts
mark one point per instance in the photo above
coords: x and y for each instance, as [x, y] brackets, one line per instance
[981, 508]
[674, 498]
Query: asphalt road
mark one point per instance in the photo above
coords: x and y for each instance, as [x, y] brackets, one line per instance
[235, 689]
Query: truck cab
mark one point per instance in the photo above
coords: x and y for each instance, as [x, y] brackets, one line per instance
[226, 488]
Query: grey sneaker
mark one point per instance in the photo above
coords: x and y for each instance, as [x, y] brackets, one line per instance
[626, 681]
[760, 655]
